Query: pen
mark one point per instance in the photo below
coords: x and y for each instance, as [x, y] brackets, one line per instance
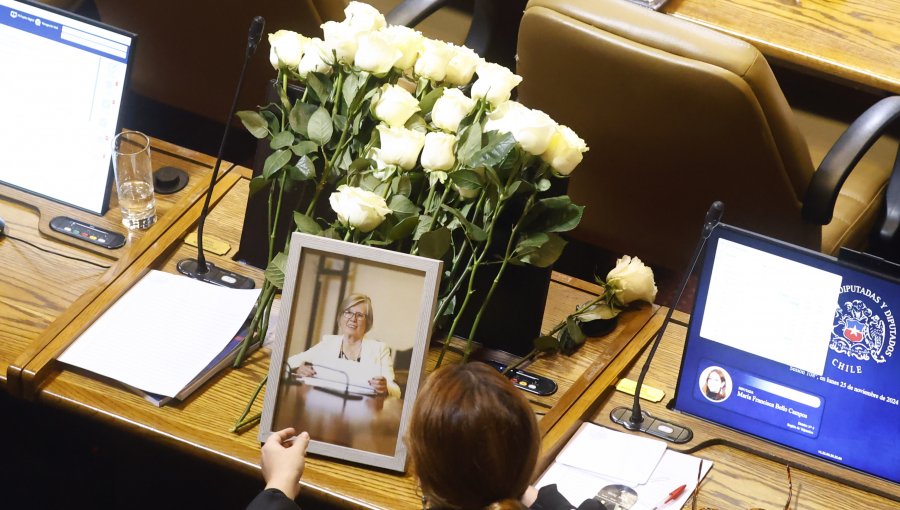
[670, 498]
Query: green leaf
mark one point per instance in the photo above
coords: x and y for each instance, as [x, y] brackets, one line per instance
[402, 206]
[403, 229]
[546, 343]
[299, 117]
[340, 122]
[320, 128]
[554, 214]
[255, 123]
[427, 102]
[352, 85]
[531, 244]
[303, 148]
[546, 254]
[416, 123]
[423, 226]
[275, 270]
[434, 244]
[307, 168]
[473, 232]
[275, 162]
[401, 185]
[598, 311]
[469, 144]
[494, 152]
[467, 179]
[282, 140]
[257, 183]
[320, 85]
[306, 224]
[574, 331]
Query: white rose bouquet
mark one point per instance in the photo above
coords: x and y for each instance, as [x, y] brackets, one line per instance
[418, 148]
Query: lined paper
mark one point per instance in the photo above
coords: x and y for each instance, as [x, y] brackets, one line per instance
[163, 332]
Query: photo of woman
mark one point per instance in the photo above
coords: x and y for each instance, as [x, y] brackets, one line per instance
[715, 384]
[354, 319]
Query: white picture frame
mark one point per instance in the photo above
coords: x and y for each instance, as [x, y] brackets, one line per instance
[345, 418]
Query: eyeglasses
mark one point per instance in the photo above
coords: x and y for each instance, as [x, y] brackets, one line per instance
[787, 505]
[351, 315]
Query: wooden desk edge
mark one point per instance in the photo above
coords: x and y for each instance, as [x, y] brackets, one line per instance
[25, 374]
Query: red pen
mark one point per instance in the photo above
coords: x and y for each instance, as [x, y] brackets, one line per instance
[670, 498]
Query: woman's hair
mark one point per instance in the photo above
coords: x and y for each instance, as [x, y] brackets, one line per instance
[473, 439]
[353, 300]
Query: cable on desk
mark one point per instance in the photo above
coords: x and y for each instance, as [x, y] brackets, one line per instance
[45, 250]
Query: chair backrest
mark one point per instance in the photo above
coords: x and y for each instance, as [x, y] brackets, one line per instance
[189, 53]
[675, 115]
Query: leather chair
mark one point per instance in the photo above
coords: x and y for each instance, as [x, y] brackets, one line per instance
[676, 116]
[189, 54]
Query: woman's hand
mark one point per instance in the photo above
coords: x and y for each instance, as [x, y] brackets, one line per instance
[283, 459]
[305, 370]
[379, 384]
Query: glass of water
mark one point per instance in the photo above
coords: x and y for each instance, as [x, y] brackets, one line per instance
[134, 179]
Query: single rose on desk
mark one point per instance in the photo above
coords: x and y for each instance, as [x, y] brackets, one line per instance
[358, 208]
[631, 281]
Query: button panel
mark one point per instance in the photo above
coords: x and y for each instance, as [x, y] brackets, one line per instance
[87, 233]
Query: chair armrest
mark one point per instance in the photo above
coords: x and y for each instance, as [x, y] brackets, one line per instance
[825, 186]
[412, 12]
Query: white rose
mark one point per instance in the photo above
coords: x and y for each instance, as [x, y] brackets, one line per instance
[286, 48]
[358, 208]
[533, 129]
[631, 281]
[438, 153]
[408, 41]
[565, 151]
[400, 146]
[450, 109]
[462, 65]
[433, 60]
[363, 17]
[315, 58]
[495, 83]
[340, 40]
[395, 105]
[376, 54]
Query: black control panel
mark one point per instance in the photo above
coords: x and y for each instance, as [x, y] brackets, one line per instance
[527, 381]
[88, 233]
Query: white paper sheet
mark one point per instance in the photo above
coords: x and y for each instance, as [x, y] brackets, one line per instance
[630, 459]
[674, 470]
[162, 332]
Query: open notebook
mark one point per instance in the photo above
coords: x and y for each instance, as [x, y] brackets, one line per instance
[797, 348]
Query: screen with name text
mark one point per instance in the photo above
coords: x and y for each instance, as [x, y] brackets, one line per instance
[797, 348]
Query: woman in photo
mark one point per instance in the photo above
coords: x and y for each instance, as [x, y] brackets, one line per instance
[355, 319]
[715, 387]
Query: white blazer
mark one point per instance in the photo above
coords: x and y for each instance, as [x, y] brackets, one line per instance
[373, 352]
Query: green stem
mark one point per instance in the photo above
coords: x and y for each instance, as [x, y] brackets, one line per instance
[263, 302]
[528, 357]
[243, 421]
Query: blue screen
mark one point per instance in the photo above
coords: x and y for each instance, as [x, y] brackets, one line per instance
[837, 396]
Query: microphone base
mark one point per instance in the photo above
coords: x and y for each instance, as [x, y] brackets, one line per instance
[338, 393]
[214, 275]
[665, 430]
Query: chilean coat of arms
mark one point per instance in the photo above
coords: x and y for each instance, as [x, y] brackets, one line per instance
[858, 332]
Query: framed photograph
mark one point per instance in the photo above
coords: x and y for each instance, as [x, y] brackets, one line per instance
[350, 348]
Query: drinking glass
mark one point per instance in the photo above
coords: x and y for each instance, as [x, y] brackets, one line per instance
[134, 179]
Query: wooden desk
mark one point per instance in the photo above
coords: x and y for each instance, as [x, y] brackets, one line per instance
[854, 40]
[200, 425]
[748, 472]
[37, 288]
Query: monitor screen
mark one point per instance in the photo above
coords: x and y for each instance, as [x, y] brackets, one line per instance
[797, 348]
[61, 88]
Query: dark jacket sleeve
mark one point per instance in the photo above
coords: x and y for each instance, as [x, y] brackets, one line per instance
[549, 498]
[272, 499]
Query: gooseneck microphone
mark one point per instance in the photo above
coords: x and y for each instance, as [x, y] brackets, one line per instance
[200, 268]
[634, 418]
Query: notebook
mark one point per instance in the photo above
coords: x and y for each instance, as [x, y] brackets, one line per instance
[63, 79]
[797, 348]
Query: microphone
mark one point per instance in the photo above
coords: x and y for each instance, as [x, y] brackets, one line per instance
[346, 393]
[634, 418]
[200, 269]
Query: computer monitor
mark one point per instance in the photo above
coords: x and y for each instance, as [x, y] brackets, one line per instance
[61, 89]
[797, 348]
